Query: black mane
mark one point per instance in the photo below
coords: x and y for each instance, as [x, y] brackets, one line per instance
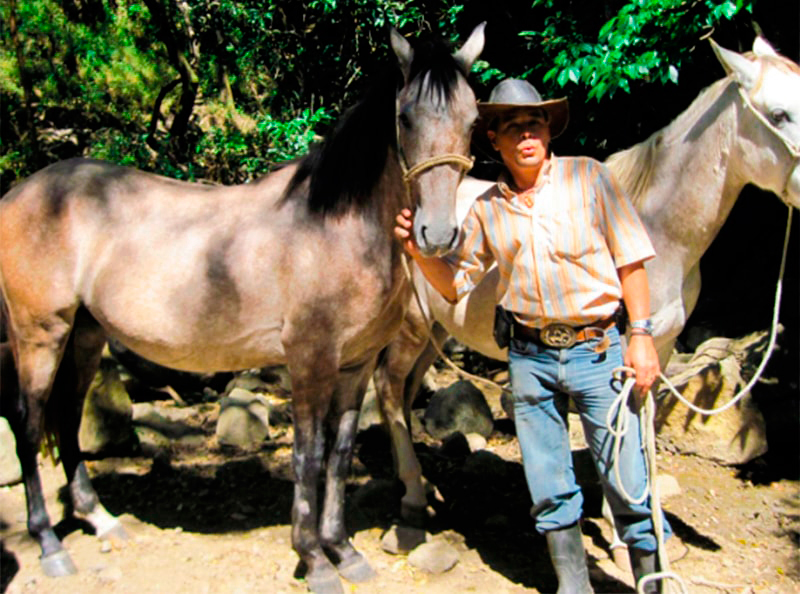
[345, 168]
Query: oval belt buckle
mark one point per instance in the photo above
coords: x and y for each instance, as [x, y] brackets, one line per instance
[558, 336]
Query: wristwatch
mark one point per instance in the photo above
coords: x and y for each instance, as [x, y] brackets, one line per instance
[644, 326]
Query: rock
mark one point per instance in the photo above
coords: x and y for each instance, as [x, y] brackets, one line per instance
[107, 412]
[709, 378]
[243, 420]
[400, 540]
[461, 407]
[668, 486]
[507, 404]
[10, 471]
[476, 442]
[434, 557]
[248, 381]
[370, 413]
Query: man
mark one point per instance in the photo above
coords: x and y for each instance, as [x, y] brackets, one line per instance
[569, 247]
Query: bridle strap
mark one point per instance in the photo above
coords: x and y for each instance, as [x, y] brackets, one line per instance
[793, 149]
[465, 163]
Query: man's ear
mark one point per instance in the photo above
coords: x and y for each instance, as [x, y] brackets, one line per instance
[491, 136]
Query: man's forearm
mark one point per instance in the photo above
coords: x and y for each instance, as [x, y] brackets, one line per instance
[439, 274]
[635, 290]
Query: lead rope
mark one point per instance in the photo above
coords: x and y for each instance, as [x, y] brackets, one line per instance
[619, 426]
[428, 324]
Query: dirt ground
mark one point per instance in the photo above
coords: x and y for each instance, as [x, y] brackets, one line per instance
[203, 519]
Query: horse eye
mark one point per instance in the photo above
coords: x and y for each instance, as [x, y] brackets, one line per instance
[779, 116]
[405, 120]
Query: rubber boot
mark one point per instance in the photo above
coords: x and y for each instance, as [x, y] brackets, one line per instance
[644, 563]
[569, 560]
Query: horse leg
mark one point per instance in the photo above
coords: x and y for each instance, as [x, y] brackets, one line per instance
[414, 504]
[313, 374]
[78, 367]
[343, 423]
[390, 376]
[38, 347]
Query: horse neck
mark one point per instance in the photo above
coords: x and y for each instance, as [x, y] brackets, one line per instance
[695, 181]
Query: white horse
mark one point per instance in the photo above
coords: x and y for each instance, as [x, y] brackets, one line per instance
[683, 180]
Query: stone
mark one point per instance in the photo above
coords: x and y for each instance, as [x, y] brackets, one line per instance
[243, 420]
[370, 413]
[10, 471]
[434, 557]
[709, 378]
[476, 442]
[106, 421]
[459, 408]
[400, 540]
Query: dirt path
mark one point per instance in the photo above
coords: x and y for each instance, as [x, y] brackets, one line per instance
[205, 520]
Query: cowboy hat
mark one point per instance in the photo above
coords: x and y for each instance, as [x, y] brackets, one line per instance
[514, 93]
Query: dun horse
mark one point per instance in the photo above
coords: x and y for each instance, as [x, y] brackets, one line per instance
[683, 180]
[299, 268]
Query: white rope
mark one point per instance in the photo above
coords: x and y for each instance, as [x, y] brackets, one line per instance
[428, 324]
[619, 426]
[771, 345]
[618, 429]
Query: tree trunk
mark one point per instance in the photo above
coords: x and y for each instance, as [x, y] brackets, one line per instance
[28, 128]
[178, 42]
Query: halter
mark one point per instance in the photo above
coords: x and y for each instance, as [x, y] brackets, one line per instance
[794, 150]
[409, 173]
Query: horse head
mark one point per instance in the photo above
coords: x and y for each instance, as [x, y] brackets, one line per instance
[435, 111]
[769, 85]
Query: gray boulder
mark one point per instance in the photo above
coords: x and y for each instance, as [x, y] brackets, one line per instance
[106, 421]
[459, 408]
[243, 420]
[10, 471]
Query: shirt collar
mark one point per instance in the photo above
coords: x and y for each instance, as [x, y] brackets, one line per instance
[505, 183]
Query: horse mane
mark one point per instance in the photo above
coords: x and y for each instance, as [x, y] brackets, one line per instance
[345, 168]
[633, 167]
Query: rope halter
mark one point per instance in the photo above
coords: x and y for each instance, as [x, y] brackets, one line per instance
[794, 150]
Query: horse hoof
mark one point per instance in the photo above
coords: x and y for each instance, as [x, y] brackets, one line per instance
[356, 569]
[325, 581]
[414, 515]
[58, 564]
[115, 533]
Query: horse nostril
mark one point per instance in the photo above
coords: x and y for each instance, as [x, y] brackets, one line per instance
[422, 234]
[454, 238]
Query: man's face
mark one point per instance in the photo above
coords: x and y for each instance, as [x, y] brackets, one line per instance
[522, 137]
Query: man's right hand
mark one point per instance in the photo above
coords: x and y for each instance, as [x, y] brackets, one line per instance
[404, 231]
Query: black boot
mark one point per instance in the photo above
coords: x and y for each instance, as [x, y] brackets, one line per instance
[569, 560]
[644, 563]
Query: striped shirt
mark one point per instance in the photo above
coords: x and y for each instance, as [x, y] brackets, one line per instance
[557, 246]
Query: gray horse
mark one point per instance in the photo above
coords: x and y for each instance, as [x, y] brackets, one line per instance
[299, 268]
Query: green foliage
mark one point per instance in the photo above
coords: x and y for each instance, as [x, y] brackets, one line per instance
[102, 78]
[647, 40]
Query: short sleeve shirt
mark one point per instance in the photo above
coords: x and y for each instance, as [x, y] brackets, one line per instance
[557, 246]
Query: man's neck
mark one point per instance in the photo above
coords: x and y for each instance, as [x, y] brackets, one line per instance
[529, 177]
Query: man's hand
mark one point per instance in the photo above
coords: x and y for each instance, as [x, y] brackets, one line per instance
[641, 355]
[404, 231]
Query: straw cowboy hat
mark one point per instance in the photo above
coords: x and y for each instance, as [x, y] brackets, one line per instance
[514, 93]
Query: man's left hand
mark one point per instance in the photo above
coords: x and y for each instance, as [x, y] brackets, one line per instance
[641, 355]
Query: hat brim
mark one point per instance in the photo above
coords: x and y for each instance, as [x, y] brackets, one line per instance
[558, 109]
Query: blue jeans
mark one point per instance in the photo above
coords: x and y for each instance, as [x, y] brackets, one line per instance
[541, 379]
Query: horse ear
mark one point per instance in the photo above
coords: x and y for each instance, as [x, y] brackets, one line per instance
[761, 48]
[473, 47]
[745, 71]
[403, 51]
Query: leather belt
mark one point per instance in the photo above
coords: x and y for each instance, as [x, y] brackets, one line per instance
[558, 335]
